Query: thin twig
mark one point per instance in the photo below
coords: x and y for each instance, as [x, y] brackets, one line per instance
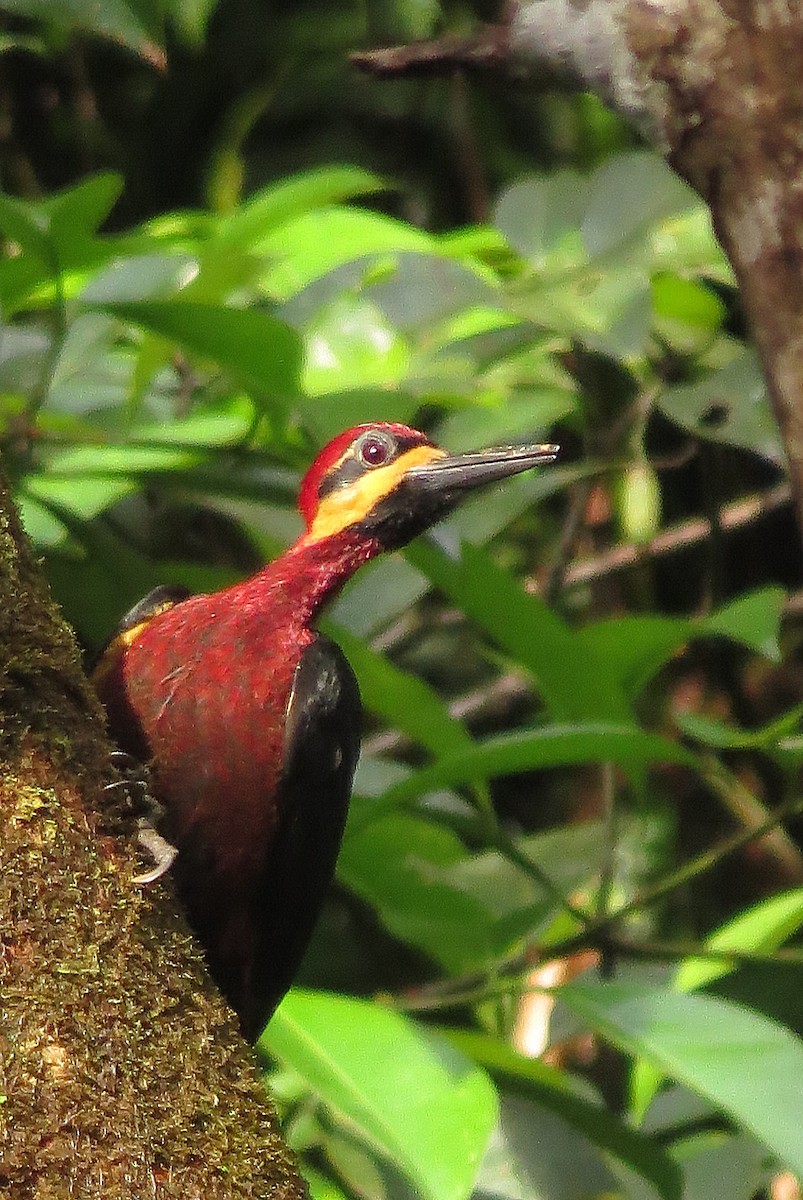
[735, 515]
[520, 983]
[745, 808]
[486, 49]
[610, 835]
[474, 987]
[482, 702]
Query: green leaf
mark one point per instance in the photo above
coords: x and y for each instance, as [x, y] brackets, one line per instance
[403, 699]
[43, 528]
[392, 864]
[28, 226]
[575, 685]
[296, 197]
[551, 746]
[686, 301]
[631, 649]
[140, 277]
[320, 1187]
[225, 423]
[753, 619]
[409, 1094]
[687, 314]
[559, 1093]
[260, 351]
[77, 212]
[764, 926]
[628, 194]
[112, 18]
[317, 242]
[724, 737]
[728, 405]
[464, 910]
[350, 343]
[122, 459]
[540, 216]
[83, 496]
[742, 1062]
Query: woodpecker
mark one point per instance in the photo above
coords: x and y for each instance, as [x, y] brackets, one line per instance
[248, 719]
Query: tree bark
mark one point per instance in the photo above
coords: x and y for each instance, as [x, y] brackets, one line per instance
[717, 86]
[122, 1073]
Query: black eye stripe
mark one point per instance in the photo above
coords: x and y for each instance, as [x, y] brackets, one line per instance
[351, 468]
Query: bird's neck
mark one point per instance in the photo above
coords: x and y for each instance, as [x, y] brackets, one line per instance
[298, 584]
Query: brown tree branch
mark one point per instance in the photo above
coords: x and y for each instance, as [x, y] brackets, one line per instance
[717, 87]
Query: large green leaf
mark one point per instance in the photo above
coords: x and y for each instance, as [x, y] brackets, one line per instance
[563, 1095]
[551, 746]
[393, 865]
[403, 699]
[764, 926]
[463, 910]
[728, 405]
[408, 1093]
[627, 195]
[574, 682]
[741, 1061]
[541, 215]
[317, 242]
[281, 202]
[260, 351]
[631, 649]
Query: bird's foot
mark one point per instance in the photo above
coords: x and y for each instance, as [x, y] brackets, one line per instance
[134, 798]
[161, 851]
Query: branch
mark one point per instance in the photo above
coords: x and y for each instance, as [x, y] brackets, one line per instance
[711, 85]
[732, 516]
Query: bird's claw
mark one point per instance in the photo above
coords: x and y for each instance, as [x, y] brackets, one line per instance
[161, 851]
[135, 790]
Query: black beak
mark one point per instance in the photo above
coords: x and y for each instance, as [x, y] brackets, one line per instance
[457, 473]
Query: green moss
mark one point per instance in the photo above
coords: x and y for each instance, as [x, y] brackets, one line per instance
[122, 1071]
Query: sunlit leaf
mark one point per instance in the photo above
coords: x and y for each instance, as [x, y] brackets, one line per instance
[281, 202]
[260, 351]
[764, 926]
[408, 1093]
[741, 1061]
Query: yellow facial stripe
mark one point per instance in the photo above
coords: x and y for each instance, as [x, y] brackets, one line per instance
[354, 501]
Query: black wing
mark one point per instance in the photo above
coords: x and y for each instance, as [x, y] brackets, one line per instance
[322, 745]
[167, 595]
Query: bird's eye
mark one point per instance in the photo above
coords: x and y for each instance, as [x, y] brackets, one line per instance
[375, 449]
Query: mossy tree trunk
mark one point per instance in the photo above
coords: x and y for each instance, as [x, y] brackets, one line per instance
[122, 1073]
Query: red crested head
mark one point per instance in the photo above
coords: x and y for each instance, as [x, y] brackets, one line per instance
[385, 483]
[369, 446]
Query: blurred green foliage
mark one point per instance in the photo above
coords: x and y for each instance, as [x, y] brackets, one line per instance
[222, 246]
